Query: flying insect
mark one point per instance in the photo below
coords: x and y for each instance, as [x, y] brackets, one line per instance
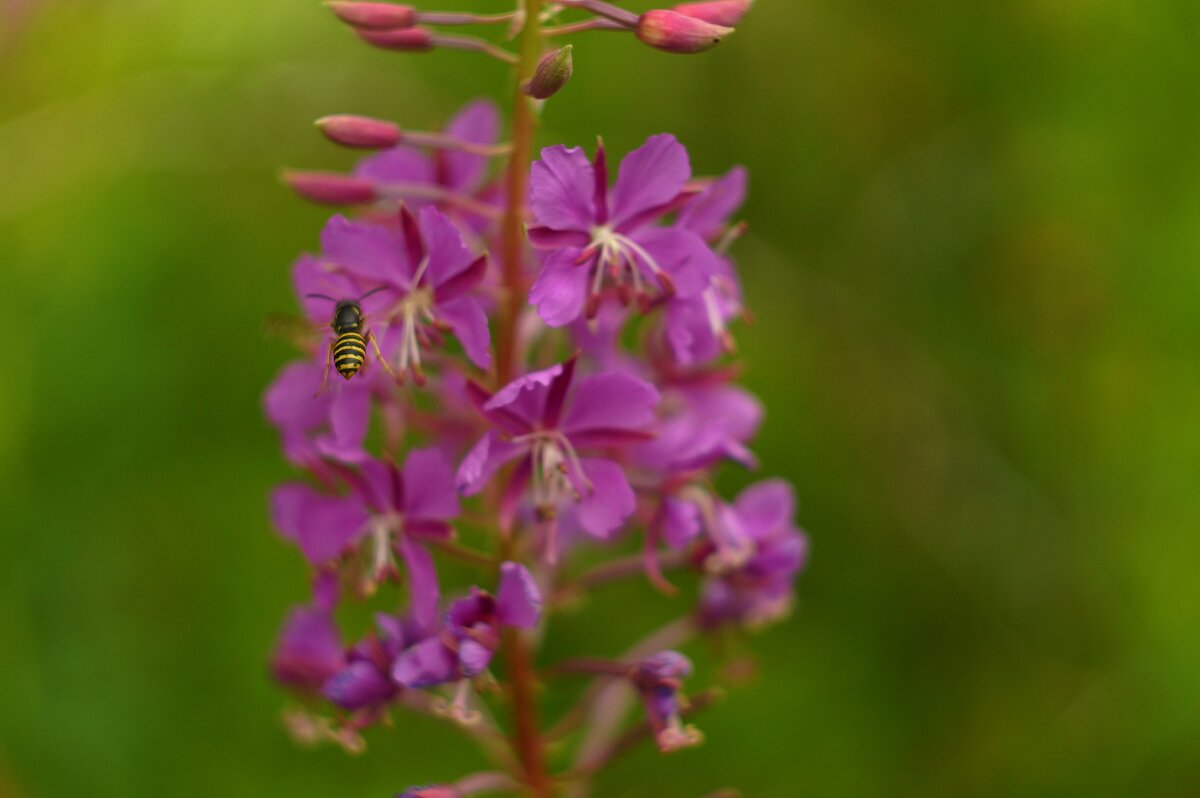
[348, 351]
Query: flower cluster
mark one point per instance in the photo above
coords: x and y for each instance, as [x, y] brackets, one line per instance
[536, 363]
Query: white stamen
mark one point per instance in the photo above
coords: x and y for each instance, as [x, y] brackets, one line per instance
[618, 258]
[731, 552]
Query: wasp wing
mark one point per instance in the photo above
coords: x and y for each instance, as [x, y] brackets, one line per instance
[294, 329]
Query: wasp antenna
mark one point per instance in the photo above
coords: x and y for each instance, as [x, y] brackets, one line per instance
[320, 296]
[372, 291]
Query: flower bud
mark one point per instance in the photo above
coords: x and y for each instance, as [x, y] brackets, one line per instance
[330, 188]
[679, 33]
[374, 16]
[417, 40]
[360, 132]
[717, 12]
[552, 73]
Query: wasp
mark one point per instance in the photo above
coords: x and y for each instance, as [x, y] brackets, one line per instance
[348, 351]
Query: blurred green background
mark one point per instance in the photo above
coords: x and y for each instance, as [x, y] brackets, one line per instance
[975, 266]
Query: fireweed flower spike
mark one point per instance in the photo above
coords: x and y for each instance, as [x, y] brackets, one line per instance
[478, 281]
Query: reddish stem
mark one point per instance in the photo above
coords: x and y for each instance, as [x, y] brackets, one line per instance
[527, 739]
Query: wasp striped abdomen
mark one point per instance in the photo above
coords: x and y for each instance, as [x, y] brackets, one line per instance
[349, 353]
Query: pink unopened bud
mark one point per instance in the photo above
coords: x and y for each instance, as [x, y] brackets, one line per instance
[552, 73]
[330, 188]
[360, 132]
[718, 12]
[404, 39]
[679, 33]
[374, 16]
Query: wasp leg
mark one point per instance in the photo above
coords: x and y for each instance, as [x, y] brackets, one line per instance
[325, 373]
[379, 354]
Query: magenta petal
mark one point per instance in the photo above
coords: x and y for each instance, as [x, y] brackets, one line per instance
[534, 383]
[708, 212]
[560, 186]
[609, 499]
[368, 251]
[326, 589]
[322, 526]
[547, 238]
[466, 280]
[557, 395]
[423, 590]
[478, 123]
[311, 275]
[381, 486]
[651, 175]
[518, 600]
[448, 255]
[560, 291]
[690, 331]
[484, 459]
[309, 650]
[470, 324]
[426, 664]
[358, 685]
[682, 255]
[429, 486]
[680, 522]
[289, 402]
[349, 419]
[612, 401]
[397, 165]
[766, 507]
[473, 657]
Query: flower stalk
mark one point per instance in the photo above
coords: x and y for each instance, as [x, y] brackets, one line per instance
[527, 738]
[477, 316]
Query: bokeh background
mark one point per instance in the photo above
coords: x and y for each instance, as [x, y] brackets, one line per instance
[975, 266]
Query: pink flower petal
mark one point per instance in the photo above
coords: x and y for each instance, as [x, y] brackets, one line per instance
[561, 189]
[560, 291]
[608, 501]
[429, 486]
[612, 401]
[651, 175]
[518, 600]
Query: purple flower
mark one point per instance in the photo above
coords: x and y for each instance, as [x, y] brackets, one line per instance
[447, 175]
[703, 423]
[659, 681]
[696, 327]
[332, 424]
[544, 419]
[365, 682]
[470, 636]
[431, 276]
[600, 235]
[756, 587]
[397, 509]
[309, 650]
